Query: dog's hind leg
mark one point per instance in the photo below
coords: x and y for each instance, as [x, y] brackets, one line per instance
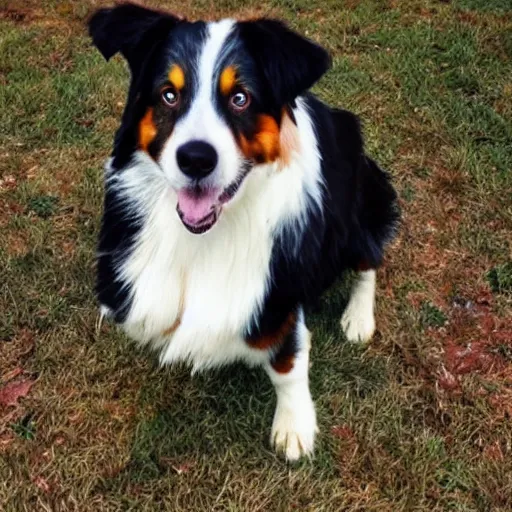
[294, 426]
[358, 321]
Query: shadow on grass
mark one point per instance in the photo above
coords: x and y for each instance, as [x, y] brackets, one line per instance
[226, 414]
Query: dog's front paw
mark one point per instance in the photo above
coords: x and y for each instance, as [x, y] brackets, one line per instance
[294, 430]
[358, 323]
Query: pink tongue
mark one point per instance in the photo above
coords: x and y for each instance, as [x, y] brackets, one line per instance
[196, 206]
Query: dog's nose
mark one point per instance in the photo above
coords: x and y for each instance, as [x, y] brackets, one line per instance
[196, 158]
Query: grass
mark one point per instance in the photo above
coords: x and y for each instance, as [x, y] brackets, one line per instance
[419, 420]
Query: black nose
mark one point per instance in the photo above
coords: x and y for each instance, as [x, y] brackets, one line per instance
[196, 158]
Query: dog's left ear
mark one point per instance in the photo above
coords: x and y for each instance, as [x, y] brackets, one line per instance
[290, 63]
[129, 29]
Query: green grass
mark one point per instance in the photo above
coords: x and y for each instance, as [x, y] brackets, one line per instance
[431, 316]
[500, 278]
[43, 206]
[410, 423]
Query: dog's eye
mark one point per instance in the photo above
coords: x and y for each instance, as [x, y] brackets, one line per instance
[170, 96]
[239, 101]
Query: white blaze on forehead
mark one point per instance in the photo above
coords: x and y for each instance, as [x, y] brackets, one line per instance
[213, 49]
[202, 118]
[202, 121]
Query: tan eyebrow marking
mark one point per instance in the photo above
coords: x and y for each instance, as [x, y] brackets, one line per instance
[227, 80]
[177, 77]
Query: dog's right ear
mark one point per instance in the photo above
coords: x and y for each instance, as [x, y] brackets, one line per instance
[129, 29]
[289, 62]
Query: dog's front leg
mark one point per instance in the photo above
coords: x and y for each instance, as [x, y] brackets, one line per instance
[294, 427]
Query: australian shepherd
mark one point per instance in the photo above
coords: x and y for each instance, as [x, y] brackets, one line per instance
[233, 199]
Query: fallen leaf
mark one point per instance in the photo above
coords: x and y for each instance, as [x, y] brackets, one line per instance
[183, 468]
[447, 381]
[494, 452]
[468, 359]
[6, 439]
[343, 432]
[42, 484]
[12, 392]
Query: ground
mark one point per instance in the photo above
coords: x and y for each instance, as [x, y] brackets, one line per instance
[417, 421]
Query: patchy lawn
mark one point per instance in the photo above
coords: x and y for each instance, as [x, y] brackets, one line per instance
[420, 420]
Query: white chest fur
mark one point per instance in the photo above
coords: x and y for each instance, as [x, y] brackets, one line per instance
[193, 295]
[196, 293]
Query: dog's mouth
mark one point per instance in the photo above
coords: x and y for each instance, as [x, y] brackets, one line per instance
[200, 208]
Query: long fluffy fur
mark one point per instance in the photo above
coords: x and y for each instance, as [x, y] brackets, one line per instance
[307, 203]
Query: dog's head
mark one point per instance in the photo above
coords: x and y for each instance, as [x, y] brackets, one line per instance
[207, 101]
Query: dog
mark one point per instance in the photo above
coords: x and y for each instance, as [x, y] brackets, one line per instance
[233, 199]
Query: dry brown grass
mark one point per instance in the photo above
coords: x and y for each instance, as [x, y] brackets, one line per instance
[420, 420]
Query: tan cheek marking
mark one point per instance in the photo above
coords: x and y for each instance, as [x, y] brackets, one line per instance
[147, 130]
[227, 80]
[289, 140]
[177, 77]
[265, 146]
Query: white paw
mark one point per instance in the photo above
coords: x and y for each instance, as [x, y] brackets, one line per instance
[294, 430]
[358, 323]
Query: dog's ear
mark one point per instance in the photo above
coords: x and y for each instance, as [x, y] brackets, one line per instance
[129, 29]
[290, 63]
